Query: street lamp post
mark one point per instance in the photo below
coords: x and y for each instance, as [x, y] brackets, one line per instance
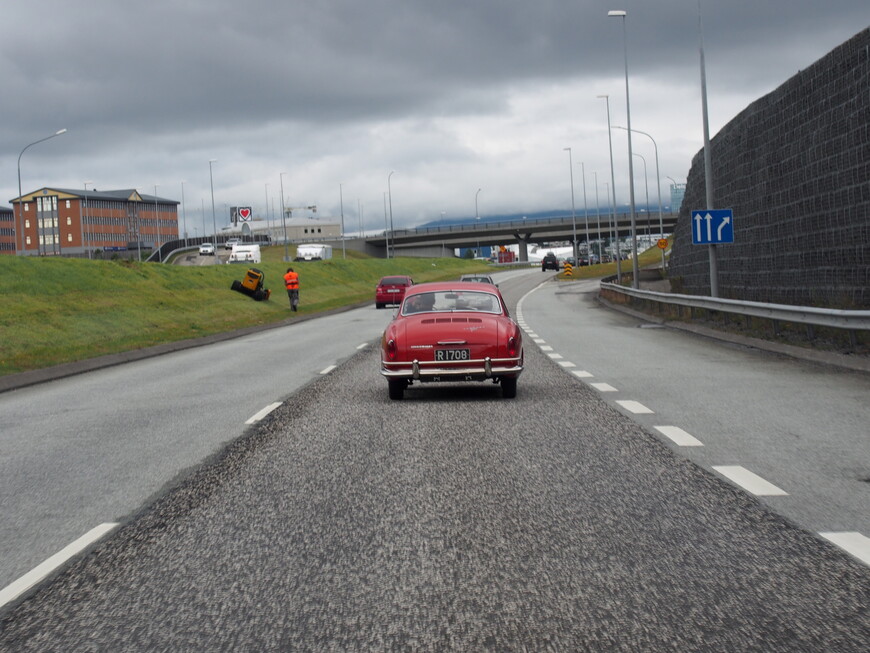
[284, 217]
[392, 232]
[573, 213]
[83, 215]
[386, 226]
[634, 265]
[708, 160]
[613, 190]
[341, 204]
[646, 186]
[183, 214]
[597, 215]
[213, 217]
[477, 217]
[157, 221]
[658, 185]
[20, 202]
[585, 209]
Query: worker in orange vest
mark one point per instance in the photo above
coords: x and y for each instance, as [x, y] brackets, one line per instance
[291, 281]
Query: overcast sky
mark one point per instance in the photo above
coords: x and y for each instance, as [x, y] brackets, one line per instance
[454, 96]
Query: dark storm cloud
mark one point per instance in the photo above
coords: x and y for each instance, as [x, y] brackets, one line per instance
[149, 89]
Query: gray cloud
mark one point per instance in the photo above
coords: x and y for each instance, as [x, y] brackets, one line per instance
[452, 95]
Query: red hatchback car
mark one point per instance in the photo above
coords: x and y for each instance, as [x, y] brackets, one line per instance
[452, 331]
[391, 290]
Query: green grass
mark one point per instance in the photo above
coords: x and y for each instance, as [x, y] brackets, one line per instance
[58, 310]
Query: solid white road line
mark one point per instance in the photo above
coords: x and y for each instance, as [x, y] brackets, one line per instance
[328, 369]
[852, 542]
[268, 409]
[603, 387]
[679, 436]
[37, 574]
[750, 481]
[634, 407]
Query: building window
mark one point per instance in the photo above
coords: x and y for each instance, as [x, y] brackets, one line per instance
[26, 207]
[69, 238]
[28, 240]
[67, 204]
[26, 223]
[68, 219]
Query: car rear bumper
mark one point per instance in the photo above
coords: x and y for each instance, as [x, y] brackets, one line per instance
[474, 370]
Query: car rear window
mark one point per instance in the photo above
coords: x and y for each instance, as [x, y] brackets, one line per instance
[394, 281]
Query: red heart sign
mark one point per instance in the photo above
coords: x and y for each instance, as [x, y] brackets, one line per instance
[245, 213]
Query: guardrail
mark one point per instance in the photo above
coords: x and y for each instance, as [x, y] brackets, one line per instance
[810, 316]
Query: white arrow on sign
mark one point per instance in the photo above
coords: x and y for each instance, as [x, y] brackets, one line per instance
[726, 220]
[698, 237]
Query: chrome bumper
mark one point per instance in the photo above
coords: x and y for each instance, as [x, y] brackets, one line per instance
[486, 368]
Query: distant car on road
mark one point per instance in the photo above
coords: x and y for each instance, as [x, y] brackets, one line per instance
[452, 331]
[206, 249]
[478, 278]
[549, 262]
[232, 241]
[391, 290]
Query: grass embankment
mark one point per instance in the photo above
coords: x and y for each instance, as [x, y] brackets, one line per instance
[58, 310]
[646, 259]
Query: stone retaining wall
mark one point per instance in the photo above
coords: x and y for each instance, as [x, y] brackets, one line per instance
[794, 166]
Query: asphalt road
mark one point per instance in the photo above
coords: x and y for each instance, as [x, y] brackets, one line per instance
[452, 520]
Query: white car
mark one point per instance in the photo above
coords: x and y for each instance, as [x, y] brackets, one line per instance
[206, 249]
[232, 241]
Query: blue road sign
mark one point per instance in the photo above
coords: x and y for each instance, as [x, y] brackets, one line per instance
[712, 227]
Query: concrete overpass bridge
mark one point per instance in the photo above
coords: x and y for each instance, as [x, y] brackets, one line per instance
[436, 240]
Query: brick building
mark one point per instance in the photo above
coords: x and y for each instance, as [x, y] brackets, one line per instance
[56, 221]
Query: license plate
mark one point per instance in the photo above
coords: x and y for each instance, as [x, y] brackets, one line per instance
[452, 354]
[392, 290]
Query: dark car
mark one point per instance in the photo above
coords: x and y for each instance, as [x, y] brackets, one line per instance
[391, 290]
[549, 262]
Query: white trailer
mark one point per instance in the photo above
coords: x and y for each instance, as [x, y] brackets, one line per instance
[244, 253]
[313, 252]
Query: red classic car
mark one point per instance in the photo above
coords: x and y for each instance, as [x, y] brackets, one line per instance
[391, 290]
[452, 331]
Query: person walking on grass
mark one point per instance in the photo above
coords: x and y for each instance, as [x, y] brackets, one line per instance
[291, 281]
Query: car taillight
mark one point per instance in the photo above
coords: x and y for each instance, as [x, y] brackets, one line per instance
[512, 346]
[392, 350]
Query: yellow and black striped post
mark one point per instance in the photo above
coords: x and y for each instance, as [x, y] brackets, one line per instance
[569, 270]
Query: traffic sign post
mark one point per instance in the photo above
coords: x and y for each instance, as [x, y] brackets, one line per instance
[712, 227]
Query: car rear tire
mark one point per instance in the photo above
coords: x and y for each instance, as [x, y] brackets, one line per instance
[397, 389]
[378, 305]
[509, 388]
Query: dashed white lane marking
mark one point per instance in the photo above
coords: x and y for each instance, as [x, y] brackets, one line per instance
[582, 374]
[634, 407]
[603, 387]
[679, 436]
[750, 481]
[851, 542]
[327, 370]
[540, 341]
[260, 415]
[567, 364]
[554, 356]
[18, 587]
[362, 346]
[546, 348]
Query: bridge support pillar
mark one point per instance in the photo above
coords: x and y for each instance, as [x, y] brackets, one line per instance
[523, 246]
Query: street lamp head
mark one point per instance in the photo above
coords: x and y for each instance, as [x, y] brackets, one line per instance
[60, 131]
[602, 97]
[617, 12]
